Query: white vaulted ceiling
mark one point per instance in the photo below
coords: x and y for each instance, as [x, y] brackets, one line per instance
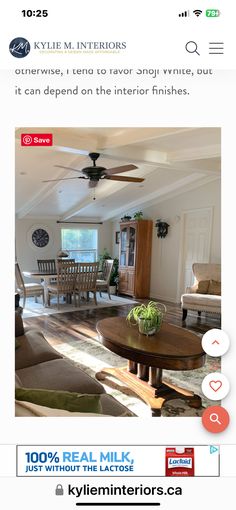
[171, 160]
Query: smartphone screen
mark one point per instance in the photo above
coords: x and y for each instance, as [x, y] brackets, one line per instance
[118, 207]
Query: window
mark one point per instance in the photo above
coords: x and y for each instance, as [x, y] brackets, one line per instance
[81, 243]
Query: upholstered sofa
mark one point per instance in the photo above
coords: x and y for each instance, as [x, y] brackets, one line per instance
[205, 293]
[40, 366]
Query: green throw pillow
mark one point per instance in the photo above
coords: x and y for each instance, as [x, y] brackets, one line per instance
[71, 401]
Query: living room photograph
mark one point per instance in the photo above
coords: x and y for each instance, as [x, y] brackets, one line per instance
[117, 270]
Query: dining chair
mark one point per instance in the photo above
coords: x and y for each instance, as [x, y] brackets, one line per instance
[65, 261]
[65, 283]
[27, 289]
[103, 283]
[86, 280]
[47, 265]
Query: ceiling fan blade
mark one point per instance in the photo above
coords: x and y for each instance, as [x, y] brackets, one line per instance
[72, 150]
[121, 178]
[67, 168]
[65, 179]
[93, 184]
[120, 169]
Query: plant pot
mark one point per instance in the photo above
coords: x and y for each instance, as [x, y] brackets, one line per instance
[148, 317]
[146, 327]
[112, 289]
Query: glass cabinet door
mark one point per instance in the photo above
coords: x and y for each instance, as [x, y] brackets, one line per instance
[123, 245]
[132, 241]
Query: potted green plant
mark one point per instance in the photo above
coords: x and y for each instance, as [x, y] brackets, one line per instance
[138, 215]
[147, 317]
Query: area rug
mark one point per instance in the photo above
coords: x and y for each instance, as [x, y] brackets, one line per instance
[33, 309]
[91, 356]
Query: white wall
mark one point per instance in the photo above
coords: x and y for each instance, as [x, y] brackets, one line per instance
[165, 252]
[27, 255]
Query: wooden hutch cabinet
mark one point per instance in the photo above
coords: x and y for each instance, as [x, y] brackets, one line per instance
[135, 258]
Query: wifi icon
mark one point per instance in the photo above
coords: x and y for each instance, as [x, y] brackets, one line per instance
[197, 12]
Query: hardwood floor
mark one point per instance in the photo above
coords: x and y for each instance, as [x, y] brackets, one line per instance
[59, 325]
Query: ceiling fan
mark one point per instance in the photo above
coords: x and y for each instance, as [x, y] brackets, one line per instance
[95, 173]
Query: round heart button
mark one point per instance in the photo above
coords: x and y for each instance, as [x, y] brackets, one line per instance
[215, 386]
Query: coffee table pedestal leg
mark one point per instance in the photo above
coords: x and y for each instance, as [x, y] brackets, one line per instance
[146, 382]
[155, 377]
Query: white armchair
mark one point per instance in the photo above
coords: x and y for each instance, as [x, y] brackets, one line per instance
[203, 297]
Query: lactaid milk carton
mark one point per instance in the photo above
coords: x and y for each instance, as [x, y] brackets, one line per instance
[179, 461]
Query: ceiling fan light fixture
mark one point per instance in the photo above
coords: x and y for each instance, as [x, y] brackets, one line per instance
[95, 173]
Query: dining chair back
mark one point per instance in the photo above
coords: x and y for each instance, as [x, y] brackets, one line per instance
[86, 279]
[65, 283]
[47, 265]
[103, 282]
[27, 289]
[65, 262]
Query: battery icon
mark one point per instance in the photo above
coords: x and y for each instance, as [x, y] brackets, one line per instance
[212, 13]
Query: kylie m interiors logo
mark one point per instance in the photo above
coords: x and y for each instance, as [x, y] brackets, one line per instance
[20, 47]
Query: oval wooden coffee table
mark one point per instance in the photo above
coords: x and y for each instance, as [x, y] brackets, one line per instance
[172, 348]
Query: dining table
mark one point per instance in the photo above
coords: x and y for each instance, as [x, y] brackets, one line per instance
[46, 276]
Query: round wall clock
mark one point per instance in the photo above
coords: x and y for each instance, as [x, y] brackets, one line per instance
[40, 237]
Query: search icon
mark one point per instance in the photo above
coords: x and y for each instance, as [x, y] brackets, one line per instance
[215, 418]
[191, 47]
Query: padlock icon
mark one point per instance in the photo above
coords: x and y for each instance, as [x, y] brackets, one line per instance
[59, 490]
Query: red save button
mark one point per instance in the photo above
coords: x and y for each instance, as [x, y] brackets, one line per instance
[36, 139]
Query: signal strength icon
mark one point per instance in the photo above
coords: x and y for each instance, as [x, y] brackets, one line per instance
[197, 12]
[184, 14]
